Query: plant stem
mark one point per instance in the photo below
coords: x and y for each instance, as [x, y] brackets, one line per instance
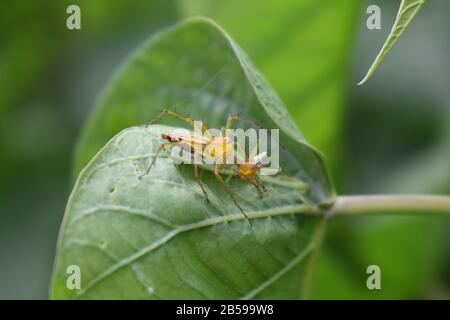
[390, 204]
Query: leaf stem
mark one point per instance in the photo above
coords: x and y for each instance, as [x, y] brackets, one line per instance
[390, 204]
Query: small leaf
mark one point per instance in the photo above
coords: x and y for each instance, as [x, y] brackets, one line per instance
[157, 237]
[406, 12]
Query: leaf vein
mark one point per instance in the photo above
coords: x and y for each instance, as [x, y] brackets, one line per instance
[292, 209]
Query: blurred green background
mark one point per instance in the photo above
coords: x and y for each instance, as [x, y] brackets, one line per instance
[391, 135]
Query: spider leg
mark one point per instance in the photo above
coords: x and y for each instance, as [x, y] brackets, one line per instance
[167, 112]
[257, 188]
[260, 183]
[197, 178]
[228, 190]
[161, 147]
[232, 118]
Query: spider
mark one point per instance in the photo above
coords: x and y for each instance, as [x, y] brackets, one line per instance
[216, 149]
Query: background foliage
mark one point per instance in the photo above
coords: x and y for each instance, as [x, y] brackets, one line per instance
[391, 135]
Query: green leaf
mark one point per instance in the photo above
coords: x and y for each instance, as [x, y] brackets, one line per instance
[157, 237]
[406, 12]
[296, 38]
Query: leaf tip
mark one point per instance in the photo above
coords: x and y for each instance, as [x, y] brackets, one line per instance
[362, 81]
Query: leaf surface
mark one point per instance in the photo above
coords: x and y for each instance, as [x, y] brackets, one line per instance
[157, 237]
